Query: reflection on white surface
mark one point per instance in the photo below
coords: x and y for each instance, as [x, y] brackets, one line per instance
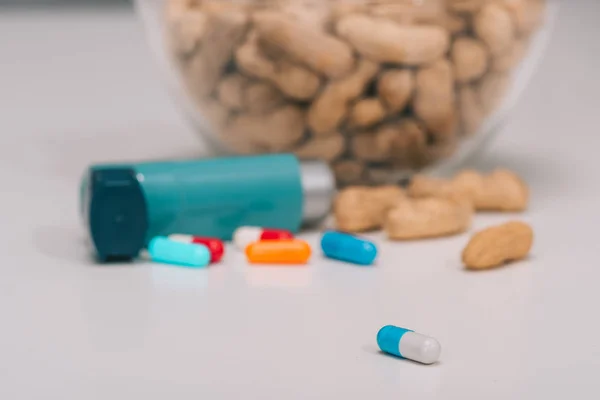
[279, 276]
[117, 319]
[177, 278]
[425, 380]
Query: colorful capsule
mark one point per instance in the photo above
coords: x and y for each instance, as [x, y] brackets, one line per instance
[245, 235]
[344, 247]
[288, 251]
[164, 250]
[215, 246]
[405, 343]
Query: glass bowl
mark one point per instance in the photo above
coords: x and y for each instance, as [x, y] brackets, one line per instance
[379, 89]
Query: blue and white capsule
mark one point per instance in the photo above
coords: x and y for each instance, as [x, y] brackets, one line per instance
[407, 344]
[348, 248]
[167, 251]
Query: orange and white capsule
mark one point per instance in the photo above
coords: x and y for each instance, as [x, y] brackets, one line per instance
[245, 235]
[287, 251]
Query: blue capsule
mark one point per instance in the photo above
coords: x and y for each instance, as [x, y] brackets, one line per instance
[344, 247]
[165, 250]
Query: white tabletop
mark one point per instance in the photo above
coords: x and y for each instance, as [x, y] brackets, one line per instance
[80, 87]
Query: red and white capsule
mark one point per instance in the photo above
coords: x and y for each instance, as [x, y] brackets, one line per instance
[215, 246]
[245, 235]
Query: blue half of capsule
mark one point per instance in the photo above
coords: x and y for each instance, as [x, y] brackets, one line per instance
[389, 337]
[349, 248]
[165, 250]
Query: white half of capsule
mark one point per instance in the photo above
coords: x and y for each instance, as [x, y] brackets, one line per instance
[181, 238]
[245, 235]
[420, 348]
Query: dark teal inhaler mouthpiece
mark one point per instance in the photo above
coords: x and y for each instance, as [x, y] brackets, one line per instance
[115, 212]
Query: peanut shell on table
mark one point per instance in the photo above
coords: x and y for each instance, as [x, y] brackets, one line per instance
[495, 246]
[427, 218]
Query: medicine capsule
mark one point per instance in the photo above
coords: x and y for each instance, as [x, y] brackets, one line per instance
[278, 252]
[405, 343]
[164, 250]
[349, 248]
[245, 235]
[215, 246]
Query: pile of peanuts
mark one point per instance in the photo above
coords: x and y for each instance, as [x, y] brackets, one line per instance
[432, 207]
[372, 86]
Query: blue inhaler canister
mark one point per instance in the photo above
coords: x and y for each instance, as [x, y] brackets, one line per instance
[125, 206]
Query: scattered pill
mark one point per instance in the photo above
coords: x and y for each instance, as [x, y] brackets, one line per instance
[215, 246]
[349, 248]
[407, 344]
[288, 251]
[245, 235]
[164, 250]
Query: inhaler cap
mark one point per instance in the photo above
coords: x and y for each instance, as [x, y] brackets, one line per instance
[115, 212]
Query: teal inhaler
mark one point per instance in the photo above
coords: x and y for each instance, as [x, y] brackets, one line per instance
[124, 206]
